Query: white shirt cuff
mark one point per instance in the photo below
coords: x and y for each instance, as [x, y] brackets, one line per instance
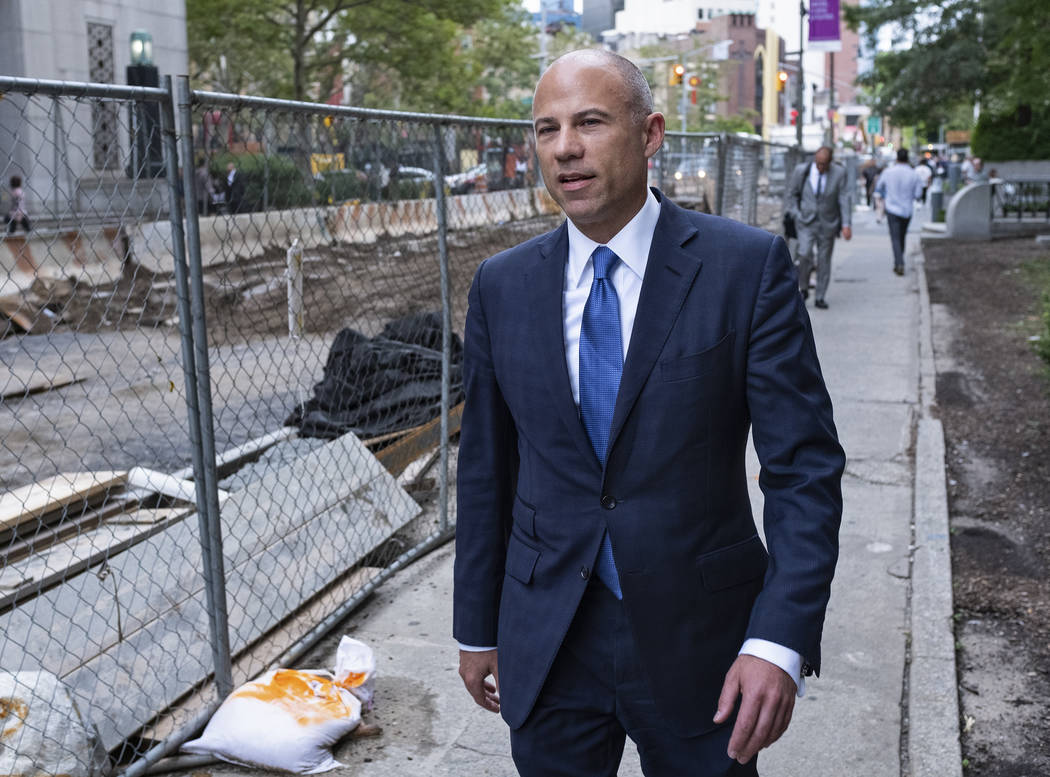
[474, 648]
[784, 657]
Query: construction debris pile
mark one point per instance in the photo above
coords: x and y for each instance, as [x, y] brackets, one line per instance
[383, 384]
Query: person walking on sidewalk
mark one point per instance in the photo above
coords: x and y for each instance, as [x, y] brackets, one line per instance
[609, 578]
[16, 215]
[899, 186]
[818, 198]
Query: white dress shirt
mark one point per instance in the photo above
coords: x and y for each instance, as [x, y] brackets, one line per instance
[631, 244]
[899, 186]
[818, 180]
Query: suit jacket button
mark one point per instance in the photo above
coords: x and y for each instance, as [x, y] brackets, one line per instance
[585, 573]
[608, 502]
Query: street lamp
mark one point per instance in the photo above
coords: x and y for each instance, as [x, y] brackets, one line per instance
[141, 48]
[145, 159]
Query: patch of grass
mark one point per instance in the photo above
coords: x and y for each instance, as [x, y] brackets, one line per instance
[1037, 276]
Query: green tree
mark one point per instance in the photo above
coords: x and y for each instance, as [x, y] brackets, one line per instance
[294, 48]
[950, 54]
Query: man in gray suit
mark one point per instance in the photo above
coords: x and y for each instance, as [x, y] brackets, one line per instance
[819, 200]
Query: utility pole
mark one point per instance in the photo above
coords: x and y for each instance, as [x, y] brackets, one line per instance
[832, 107]
[543, 36]
[801, 74]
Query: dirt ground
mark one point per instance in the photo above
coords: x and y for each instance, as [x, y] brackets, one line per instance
[121, 341]
[993, 392]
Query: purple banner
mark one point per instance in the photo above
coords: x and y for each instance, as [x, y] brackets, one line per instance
[824, 25]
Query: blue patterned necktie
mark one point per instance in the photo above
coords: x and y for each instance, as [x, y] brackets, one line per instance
[601, 364]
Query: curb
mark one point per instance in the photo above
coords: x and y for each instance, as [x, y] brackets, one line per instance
[933, 704]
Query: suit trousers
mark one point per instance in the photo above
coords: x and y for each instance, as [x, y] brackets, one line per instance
[898, 233]
[596, 695]
[813, 240]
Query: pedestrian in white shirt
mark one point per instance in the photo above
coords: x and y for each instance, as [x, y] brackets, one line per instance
[899, 186]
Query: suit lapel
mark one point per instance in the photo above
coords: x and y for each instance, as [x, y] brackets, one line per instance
[546, 281]
[669, 274]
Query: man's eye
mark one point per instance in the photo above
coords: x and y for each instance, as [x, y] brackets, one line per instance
[544, 130]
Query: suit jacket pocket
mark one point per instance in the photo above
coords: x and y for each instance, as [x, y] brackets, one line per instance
[733, 565]
[521, 560]
[524, 516]
[697, 364]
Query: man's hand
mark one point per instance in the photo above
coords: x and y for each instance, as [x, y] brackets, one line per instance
[847, 233]
[767, 698]
[475, 669]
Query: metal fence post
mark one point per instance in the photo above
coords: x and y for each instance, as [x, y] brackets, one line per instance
[446, 315]
[211, 534]
[720, 190]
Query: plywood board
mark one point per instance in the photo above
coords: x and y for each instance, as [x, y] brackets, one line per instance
[45, 496]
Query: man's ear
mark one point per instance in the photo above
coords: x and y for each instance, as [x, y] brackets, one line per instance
[654, 133]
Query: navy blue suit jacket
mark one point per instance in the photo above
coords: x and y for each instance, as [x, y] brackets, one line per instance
[721, 342]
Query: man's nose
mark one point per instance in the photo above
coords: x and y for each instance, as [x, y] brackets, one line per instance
[568, 146]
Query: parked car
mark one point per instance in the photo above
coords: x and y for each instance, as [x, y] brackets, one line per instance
[466, 181]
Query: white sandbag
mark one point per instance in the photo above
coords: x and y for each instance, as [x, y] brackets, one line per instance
[287, 719]
[41, 730]
[355, 669]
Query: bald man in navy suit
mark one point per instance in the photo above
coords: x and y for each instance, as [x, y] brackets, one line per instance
[609, 577]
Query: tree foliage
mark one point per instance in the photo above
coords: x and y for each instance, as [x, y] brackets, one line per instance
[299, 48]
[949, 54]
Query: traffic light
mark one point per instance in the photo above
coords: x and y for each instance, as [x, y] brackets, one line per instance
[794, 117]
[782, 79]
[694, 82]
[676, 74]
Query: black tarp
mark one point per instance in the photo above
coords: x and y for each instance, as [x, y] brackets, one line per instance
[373, 386]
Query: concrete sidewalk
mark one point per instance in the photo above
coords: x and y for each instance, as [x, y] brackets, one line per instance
[854, 718]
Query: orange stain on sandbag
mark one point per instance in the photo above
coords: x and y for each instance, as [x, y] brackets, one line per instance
[353, 679]
[308, 698]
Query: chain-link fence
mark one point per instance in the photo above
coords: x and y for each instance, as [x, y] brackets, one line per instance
[231, 344]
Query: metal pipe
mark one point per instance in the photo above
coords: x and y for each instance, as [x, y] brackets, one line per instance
[172, 743]
[189, 369]
[211, 537]
[56, 181]
[720, 190]
[446, 317]
[318, 632]
[180, 762]
[237, 101]
[78, 89]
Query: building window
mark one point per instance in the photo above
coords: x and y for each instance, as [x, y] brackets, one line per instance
[104, 113]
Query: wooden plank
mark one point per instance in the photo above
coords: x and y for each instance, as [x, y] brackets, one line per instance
[43, 537]
[259, 657]
[14, 307]
[37, 380]
[30, 502]
[35, 574]
[419, 442]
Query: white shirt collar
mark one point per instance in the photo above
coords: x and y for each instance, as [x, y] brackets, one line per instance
[631, 243]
